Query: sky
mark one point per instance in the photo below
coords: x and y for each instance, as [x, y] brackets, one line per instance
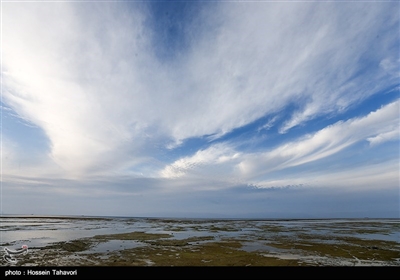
[201, 109]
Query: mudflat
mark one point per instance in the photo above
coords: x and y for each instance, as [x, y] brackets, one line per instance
[81, 241]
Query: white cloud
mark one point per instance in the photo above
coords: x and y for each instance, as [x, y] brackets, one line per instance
[386, 136]
[391, 66]
[384, 175]
[203, 161]
[323, 143]
[268, 124]
[69, 76]
[87, 74]
[223, 161]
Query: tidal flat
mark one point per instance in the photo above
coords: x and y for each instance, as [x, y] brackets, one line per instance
[117, 241]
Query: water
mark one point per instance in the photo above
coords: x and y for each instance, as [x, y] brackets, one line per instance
[269, 237]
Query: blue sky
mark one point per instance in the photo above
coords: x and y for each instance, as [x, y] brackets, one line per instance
[200, 109]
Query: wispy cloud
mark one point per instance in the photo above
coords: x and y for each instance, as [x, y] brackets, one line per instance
[383, 137]
[203, 161]
[106, 102]
[224, 161]
[269, 124]
[369, 176]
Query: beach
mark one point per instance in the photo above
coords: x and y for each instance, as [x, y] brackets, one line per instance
[125, 241]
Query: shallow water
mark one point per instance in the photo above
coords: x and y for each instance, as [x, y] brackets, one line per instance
[271, 238]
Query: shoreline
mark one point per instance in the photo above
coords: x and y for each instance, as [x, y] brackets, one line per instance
[159, 242]
[186, 218]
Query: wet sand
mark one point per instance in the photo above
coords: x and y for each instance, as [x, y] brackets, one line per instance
[89, 241]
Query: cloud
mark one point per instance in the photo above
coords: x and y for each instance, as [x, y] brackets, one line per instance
[383, 137]
[38, 197]
[269, 124]
[204, 159]
[88, 75]
[369, 176]
[16, 160]
[225, 161]
[327, 141]
[391, 66]
[74, 86]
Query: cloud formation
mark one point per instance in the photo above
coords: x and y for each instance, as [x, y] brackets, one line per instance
[224, 161]
[88, 75]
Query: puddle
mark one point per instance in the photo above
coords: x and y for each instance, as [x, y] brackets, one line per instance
[258, 247]
[114, 245]
[256, 237]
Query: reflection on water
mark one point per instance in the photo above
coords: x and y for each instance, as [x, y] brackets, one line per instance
[113, 245]
[41, 231]
[255, 235]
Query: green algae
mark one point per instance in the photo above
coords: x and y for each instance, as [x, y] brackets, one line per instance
[136, 235]
[227, 253]
[265, 244]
